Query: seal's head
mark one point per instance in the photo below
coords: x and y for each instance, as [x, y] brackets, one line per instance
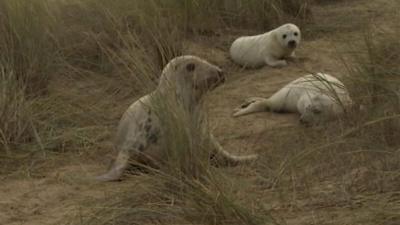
[191, 77]
[288, 35]
[319, 109]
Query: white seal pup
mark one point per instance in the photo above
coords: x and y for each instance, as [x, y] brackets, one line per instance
[316, 97]
[140, 136]
[270, 48]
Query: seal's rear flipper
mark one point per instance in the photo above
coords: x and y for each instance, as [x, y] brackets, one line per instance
[220, 157]
[112, 175]
[223, 158]
[117, 169]
[251, 105]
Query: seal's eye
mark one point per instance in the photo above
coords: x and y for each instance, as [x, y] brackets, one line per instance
[190, 67]
[295, 34]
[284, 36]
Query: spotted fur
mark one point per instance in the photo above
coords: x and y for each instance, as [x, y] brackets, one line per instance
[184, 80]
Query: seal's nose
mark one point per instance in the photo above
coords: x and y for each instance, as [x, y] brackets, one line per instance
[292, 44]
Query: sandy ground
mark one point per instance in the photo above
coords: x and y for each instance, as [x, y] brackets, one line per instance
[54, 191]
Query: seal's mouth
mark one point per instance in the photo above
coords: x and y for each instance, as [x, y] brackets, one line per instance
[292, 44]
[215, 81]
[211, 83]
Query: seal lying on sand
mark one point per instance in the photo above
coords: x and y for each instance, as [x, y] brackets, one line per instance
[317, 97]
[270, 48]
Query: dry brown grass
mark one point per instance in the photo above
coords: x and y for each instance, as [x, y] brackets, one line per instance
[27, 60]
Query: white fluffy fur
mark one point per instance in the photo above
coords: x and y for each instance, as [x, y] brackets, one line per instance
[270, 48]
[140, 136]
[316, 97]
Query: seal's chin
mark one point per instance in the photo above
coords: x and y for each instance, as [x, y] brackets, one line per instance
[216, 84]
[208, 85]
[292, 46]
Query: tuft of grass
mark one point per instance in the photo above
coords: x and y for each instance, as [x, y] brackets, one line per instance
[26, 63]
[15, 114]
[374, 81]
[26, 42]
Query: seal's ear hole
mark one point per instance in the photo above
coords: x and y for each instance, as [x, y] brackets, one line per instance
[284, 36]
[295, 33]
[190, 67]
